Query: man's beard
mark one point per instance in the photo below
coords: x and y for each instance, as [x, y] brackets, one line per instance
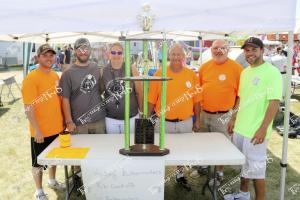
[254, 61]
[82, 60]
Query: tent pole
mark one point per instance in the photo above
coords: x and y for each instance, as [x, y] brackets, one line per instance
[163, 98]
[127, 97]
[283, 162]
[26, 57]
[24, 60]
[200, 45]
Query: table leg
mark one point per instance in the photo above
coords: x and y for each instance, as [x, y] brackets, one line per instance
[75, 186]
[73, 174]
[67, 183]
[215, 184]
[206, 185]
[213, 191]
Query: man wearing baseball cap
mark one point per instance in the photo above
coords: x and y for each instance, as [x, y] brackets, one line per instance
[43, 110]
[80, 91]
[260, 93]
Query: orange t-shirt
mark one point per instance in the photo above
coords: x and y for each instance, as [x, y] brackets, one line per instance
[39, 90]
[220, 85]
[182, 92]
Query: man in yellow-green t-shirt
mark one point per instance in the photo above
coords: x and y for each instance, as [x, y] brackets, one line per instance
[260, 91]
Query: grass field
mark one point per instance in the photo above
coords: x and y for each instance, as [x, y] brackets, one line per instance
[15, 162]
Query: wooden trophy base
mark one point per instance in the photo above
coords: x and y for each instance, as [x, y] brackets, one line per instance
[144, 150]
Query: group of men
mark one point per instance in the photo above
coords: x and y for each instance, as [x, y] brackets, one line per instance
[239, 103]
[85, 100]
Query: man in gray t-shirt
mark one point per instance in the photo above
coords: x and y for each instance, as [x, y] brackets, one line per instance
[80, 84]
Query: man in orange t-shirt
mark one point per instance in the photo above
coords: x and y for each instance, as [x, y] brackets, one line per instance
[43, 110]
[219, 79]
[182, 100]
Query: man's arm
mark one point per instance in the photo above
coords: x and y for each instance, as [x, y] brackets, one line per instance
[138, 88]
[231, 122]
[260, 134]
[29, 111]
[197, 110]
[67, 114]
[65, 55]
[65, 85]
[150, 108]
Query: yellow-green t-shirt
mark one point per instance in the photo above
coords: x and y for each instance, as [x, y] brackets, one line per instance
[258, 85]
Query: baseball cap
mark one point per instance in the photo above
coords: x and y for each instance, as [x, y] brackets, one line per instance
[81, 42]
[254, 42]
[44, 49]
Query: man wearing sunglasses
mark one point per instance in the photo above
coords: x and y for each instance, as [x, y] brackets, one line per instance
[115, 90]
[80, 90]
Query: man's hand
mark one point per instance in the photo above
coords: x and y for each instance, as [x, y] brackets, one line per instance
[230, 126]
[259, 136]
[71, 126]
[38, 138]
[196, 125]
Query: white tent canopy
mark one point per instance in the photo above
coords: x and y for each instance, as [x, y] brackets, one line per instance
[230, 16]
[297, 28]
[70, 37]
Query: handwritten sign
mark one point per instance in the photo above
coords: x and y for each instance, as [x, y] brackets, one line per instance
[125, 179]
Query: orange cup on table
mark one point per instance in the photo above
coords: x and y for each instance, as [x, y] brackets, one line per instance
[65, 139]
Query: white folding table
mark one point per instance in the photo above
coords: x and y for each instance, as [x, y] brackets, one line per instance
[185, 149]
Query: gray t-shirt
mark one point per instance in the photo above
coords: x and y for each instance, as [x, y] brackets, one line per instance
[116, 93]
[82, 86]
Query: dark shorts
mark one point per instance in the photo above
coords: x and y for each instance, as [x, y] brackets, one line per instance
[37, 148]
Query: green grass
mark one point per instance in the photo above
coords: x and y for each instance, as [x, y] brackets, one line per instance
[173, 192]
[11, 68]
[16, 181]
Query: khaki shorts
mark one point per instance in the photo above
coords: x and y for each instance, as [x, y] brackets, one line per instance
[256, 157]
[91, 128]
[185, 126]
[213, 123]
[116, 126]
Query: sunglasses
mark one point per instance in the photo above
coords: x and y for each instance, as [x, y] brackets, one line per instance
[116, 53]
[83, 50]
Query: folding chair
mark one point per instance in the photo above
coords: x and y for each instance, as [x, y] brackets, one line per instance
[8, 83]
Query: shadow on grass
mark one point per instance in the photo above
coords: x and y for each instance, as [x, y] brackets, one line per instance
[231, 183]
[3, 111]
[173, 191]
[273, 180]
[273, 176]
[10, 102]
[13, 101]
[75, 195]
[62, 196]
[10, 68]
[296, 96]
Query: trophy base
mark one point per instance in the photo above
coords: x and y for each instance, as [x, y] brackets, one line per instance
[144, 150]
